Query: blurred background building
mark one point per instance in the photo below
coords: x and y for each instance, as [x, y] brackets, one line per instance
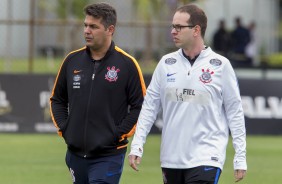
[33, 29]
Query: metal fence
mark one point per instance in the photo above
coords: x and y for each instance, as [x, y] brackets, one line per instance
[34, 36]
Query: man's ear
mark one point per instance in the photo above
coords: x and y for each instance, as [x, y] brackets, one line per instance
[197, 31]
[111, 29]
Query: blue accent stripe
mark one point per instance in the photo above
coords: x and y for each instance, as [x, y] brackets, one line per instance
[109, 174]
[217, 176]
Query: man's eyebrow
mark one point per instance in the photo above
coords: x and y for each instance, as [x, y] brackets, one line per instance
[92, 25]
[87, 23]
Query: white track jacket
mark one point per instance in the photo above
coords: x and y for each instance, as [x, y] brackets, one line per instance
[200, 105]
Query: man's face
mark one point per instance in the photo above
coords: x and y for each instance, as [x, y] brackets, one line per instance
[182, 36]
[95, 34]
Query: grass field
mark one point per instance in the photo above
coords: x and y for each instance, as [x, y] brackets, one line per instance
[45, 66]
[39, 159]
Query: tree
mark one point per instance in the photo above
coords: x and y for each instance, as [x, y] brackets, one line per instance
[148, 10]
[70, 11]
[71, 8]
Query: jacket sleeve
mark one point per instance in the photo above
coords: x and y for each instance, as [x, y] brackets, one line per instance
[136, 90]
[59, 100]
[148, 114]
[235, 116]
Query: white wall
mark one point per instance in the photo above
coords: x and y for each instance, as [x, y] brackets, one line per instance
[264, 13]
[14, 38]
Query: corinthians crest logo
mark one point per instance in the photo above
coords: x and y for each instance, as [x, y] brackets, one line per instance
[111, 75]
[206, 76]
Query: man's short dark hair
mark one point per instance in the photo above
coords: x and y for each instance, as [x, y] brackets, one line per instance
[104, 11]
[197, 16]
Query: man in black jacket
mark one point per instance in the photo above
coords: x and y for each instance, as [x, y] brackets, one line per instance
[96, 100]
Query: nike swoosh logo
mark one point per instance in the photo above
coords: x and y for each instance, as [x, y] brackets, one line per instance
[208, 168]
[112, 174]
[77, 71]
[170, 74]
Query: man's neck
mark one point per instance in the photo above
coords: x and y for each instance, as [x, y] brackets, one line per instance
[192, 50]
[98, 54]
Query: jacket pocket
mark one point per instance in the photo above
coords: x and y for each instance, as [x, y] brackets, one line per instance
[116, 134]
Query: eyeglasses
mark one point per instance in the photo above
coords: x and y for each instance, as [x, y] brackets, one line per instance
[179, 27]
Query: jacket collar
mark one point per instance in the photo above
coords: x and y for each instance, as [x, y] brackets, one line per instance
[205, 52]
[108, 53]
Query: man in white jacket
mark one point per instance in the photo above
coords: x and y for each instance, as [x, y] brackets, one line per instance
[198, 92]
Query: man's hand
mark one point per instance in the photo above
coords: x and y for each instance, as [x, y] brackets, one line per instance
[134, 161]
[239, 175]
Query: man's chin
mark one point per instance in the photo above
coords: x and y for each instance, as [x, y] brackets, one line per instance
[88, 44]
[178, 45]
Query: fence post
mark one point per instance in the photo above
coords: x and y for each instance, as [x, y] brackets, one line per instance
[31, 37]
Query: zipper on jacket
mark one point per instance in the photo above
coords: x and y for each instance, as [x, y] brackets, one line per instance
[94, 70]
[191, 61]
[95, 66]
[87, 110]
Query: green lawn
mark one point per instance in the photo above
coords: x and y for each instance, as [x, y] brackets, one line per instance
[45, 66]
[39, 65]
[39, 159]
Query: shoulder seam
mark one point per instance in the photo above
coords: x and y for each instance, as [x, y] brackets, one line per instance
[137, 66]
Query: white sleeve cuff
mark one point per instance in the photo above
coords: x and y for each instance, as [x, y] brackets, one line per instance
[136, 151]
[240, 165]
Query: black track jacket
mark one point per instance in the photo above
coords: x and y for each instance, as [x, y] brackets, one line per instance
[96, 108]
